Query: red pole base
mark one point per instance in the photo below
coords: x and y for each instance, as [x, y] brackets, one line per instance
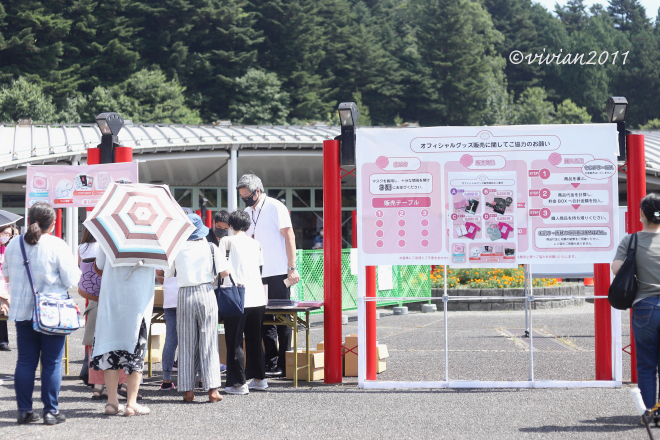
[372, 354]
[602, 323]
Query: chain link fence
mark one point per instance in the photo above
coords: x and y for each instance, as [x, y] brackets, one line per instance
[406, 281]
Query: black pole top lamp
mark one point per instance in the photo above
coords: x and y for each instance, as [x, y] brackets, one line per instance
[616, 112]
[110, 124]
[348, 118]
[616, 109]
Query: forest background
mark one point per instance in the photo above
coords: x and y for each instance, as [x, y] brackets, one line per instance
[435, 62]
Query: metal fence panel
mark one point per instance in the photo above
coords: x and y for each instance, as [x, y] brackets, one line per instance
[408, 281]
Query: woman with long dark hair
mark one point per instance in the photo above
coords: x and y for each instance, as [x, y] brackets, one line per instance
[646, 307]
[54, 270]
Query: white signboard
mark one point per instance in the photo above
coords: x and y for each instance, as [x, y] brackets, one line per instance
[488, 196]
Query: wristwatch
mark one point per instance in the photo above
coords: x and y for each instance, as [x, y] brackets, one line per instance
[292, 268]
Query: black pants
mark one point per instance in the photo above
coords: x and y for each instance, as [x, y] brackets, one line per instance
[4, 335]
[248, 324]
[276, 357]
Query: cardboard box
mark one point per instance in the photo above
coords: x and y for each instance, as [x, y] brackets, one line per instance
[383, 354]
[351, 357]
[320, 346]
[157, 342]
[316, 360]
[158, 296]
[222, 347]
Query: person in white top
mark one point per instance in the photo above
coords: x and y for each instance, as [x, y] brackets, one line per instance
[197, 311]
[246, 260]
[271, 227]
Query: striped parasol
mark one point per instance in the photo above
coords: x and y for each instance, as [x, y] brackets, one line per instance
[139, 224]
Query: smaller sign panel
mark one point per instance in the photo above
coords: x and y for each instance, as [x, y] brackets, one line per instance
[75, 186]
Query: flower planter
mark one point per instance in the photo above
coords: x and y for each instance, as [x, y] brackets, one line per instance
[572, 289]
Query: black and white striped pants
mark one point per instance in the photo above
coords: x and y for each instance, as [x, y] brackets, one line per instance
[197, 331]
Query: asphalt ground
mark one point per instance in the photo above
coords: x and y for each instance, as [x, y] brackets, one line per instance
[482, 346]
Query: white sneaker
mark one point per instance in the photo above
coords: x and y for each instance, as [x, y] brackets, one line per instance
[258, 384]
[243, 389]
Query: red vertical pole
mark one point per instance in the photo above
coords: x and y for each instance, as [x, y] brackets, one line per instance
[602, 323]
[209, 218]
[93, 158]
[58, 223]
[332, 262]
[636, 183]
[199, 212]
[372, 355]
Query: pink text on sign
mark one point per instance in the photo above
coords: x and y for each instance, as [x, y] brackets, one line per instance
[402, 202]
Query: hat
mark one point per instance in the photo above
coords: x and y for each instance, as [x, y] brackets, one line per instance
[201, 230]
[187, 210]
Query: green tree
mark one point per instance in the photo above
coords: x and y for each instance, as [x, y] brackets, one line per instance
[146, 96]
[364, 120]
[102, 43]
[628, 15]
[573, 15]
[205, 44]
[533, 108]
[25, 99]
[569, 113]
[33, 32]
[259, 99]
[653, 124]
[159, 100]
[292, 47]
[500, 107]
[456, 41]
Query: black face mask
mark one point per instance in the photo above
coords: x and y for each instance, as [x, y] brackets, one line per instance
[219, 232]
[249, 200]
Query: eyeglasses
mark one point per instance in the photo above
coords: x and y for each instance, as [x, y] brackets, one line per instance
[6, 234]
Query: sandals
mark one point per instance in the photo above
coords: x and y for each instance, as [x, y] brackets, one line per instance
[100, 393]
[137, 410]
[123, 392]
[114, 409]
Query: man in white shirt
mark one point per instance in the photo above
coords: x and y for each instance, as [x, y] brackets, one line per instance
[271, 227]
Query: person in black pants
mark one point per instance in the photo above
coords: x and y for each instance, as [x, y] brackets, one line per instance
[271, 227]
[4, 336]
[246, 260]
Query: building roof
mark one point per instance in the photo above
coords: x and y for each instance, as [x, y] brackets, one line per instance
[289, 154]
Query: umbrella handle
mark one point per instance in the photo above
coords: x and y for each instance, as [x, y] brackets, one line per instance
[138, 264]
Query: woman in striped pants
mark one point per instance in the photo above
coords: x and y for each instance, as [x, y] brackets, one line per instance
[197, 311]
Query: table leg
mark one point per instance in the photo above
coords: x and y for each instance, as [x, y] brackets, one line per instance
[150, 370]
[294, 329]
[309, 367]
[66, 356]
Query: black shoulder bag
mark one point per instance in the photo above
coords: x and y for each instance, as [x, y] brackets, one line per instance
[624, 287]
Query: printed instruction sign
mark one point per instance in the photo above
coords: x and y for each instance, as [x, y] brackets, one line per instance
[75, 186]
[488, 196]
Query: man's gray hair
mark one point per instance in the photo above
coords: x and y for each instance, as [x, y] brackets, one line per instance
[251, 182]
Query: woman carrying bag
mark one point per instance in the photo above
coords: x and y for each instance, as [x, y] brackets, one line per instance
[646, 306]
[197, 311]
[53, 270]
[246, 259]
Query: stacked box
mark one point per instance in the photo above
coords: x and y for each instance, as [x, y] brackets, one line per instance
[158, 296]
[351, 357]
[157, 342]
[316, 361]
